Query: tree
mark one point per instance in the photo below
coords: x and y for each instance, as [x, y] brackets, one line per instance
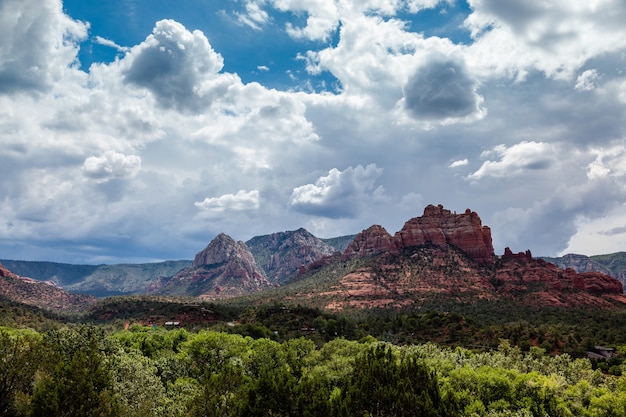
[74, 379]
[383, 385]
[19, 359]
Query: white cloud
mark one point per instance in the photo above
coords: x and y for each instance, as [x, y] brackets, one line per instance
[587, 80]
[556, 37]
[242, 201]
[340, 193]
[516, 159]
[38, 43]
[610, 161]
[107, 42]
[112, 165]
[166, 124]
[458, 163]
[179, 67]
[254, 17]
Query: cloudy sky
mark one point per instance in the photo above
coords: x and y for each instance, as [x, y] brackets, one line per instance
[135, 130]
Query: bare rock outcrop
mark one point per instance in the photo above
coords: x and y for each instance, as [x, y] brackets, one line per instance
[520, 272]
[441, 227]
[225, 268]
[282, 255]
[371, 241]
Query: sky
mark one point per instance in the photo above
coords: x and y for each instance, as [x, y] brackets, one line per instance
[136, 131]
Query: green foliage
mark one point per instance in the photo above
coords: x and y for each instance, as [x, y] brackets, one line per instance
[140, 372]
[74, 379]
[383, 385]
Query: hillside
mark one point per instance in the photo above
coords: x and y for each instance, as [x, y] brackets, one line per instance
[613, 264]
[45, 295]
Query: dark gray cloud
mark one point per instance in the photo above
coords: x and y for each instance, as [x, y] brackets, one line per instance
[547, 225]
[441, 89]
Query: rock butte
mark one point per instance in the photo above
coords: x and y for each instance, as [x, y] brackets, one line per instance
[438, 226]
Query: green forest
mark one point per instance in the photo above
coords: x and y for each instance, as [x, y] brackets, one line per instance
[87, 370]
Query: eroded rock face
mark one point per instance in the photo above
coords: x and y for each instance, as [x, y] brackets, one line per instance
[225, 268]
[438, 226]
[282, 255]
[441, 227]
[521, 272]
[370, 242]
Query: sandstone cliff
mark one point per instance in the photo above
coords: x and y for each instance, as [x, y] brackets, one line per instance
[437, 226]
[447, 257]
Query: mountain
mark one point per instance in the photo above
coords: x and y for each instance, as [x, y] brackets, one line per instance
[225, 268]
[613, 264]
[339, 243]
[281, 255]
[41, 294]
[98, 280]
[443, 258]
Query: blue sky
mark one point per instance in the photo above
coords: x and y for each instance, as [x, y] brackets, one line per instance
[139, 130]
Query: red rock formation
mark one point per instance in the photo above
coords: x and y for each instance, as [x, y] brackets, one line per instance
[442, 228]
[40, 294]
[521, 273]
[6, 273]
[369, 242]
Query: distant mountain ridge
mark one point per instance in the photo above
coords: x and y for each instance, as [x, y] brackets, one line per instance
[613, 264]
[98, 280]
[278, 255]
[440, 252]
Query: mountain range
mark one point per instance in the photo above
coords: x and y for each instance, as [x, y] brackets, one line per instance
[440, 254]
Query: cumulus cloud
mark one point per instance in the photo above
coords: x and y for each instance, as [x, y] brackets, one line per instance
[37, 44]
[516, 159]
[112, 165]
[340, 194]
[241, 201]
[440, 90]
[179, 67]
[555, 37]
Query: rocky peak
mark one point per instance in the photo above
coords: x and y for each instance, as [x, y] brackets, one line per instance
[441, 227]
[281, 255]
[225, 268]
[369, 242]
[222, 248]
